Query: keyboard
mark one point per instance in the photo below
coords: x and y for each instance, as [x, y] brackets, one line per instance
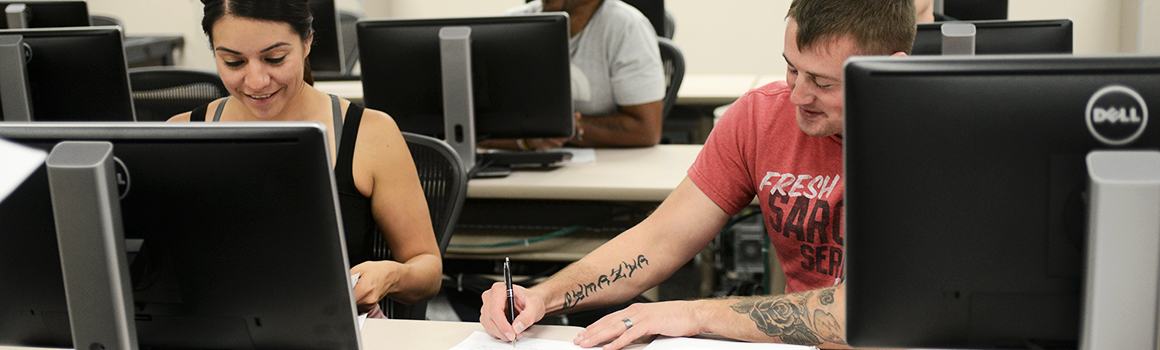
[525, 159]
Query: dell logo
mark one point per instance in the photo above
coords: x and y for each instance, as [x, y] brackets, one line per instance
[121, 176]
[1116, 115]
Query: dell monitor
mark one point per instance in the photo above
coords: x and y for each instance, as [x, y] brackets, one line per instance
[326, 55]
[19, 14]
[232, 229]
[1002, 37]
[965, 193]
[519, 85]
[69, 74]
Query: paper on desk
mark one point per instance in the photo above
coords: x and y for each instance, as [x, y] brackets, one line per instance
[482, 341]
[580, 155]
[362, 318]
[666, 343]
[16, 163]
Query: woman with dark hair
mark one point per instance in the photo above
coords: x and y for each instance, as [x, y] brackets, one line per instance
[261, 49]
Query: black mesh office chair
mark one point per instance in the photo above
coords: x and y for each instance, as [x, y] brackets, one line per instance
[346, 22]
[162, 92]
[670, 26]
[99, 20]
[444, 180]
[674, 65]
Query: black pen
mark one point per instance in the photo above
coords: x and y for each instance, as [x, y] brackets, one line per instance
[511, 299]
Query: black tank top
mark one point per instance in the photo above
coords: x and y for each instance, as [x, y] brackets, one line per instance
[357, 221]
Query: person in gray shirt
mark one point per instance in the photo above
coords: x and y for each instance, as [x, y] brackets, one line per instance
[617, 78]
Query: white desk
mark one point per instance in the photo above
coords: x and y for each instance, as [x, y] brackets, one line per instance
[625, 174]
[696, 89]
[433, 335]
[644, 176]
[713, 89]
[764, 79]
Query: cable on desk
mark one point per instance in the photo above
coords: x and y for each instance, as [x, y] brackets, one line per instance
[523, 242]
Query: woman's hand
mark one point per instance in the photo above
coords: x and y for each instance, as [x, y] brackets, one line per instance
[376, 279]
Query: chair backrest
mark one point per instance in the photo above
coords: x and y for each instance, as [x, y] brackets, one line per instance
[670, 26]
[346, 22]
[443, 177]
[162, 92]
[100, 20]
[674, 65]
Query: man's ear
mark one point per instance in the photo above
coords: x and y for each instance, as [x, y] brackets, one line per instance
[899, 54]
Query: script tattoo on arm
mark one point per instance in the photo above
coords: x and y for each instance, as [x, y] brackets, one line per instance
[624, 270]
[788, 317]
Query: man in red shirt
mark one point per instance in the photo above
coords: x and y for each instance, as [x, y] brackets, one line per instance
[782, 143]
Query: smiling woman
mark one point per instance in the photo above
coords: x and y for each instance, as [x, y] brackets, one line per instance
[261, 50]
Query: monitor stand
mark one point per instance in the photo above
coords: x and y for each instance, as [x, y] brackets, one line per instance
[87, 209]
[459, 103]
[1123, 251]
[15, 95]
[17, 16]
[958, 38]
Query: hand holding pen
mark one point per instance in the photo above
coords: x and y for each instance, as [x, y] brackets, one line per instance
[496, 315]
[511, 299]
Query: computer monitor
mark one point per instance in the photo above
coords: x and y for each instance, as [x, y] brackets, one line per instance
[971, 10]
[71, 74]
[232, 229]
[965, 191]
[45, 14]
[326, 55]
[520, 76]
[1002, 37]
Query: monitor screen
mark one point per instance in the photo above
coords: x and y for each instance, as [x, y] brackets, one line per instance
[232, 230]
[971, 10]
[50, 13]
[75, 74]
[1002, 37]
[965, 187]
[326, 56]
[520, 74]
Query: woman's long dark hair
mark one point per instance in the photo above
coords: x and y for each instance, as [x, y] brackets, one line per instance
[296, 13]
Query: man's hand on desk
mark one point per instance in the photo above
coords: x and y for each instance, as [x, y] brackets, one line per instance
[672, 318]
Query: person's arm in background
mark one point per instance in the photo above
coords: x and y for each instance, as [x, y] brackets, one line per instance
[632, 126]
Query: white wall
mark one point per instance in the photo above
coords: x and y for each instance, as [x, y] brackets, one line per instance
[717, 37]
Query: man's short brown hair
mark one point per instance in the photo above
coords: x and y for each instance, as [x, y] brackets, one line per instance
[879, 27]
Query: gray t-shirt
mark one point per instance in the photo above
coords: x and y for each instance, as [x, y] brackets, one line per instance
[615, 59]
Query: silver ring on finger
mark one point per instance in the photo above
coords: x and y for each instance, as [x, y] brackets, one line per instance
[627, 323]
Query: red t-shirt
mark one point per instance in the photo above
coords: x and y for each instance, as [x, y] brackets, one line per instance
[757, 149]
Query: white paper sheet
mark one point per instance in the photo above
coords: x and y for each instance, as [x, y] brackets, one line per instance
[482, 341]
[362, 318]
[16, 163]
[580, 155]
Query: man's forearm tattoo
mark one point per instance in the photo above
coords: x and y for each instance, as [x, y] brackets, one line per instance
[788, 318]
[622, 271]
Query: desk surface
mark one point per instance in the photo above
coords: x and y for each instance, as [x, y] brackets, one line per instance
[696, 89]
[627, 174]
[423, 335]
[419, 335]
